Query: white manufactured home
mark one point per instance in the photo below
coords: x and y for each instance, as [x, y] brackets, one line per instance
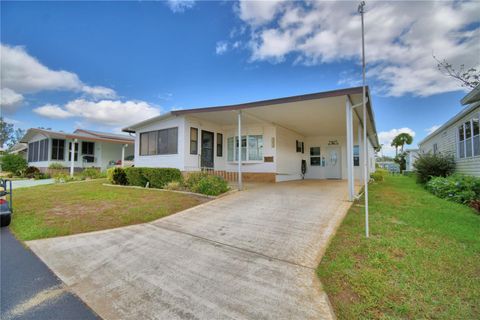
[322, 129]
[88, 148]
[459, 136]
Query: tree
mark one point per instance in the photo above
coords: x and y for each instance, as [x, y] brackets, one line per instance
[468, 77]
[400, 141]
[6, 131]
[15, 137]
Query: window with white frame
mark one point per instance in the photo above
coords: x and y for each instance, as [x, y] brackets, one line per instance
[468, 138]
[252, 148]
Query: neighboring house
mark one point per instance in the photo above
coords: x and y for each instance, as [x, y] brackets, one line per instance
[276, 135]
[391, 166]
[91, 148]
[459, 136]
[20, 149]
[410, 157]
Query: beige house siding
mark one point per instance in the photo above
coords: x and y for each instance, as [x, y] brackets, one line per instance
[446, 141]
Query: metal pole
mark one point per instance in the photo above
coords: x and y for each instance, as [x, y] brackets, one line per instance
[240, 184]
[361, 10]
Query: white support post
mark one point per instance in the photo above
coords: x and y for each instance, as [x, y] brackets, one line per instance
[123, 153]
[72, 156]
[348, 111]
[360, 150]
[240, 184]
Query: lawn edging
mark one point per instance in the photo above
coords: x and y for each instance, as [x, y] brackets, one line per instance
[176, 191]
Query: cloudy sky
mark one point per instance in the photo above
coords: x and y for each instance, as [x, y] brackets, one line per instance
[106, 65]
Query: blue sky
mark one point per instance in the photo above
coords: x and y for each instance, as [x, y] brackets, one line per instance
[104, 65]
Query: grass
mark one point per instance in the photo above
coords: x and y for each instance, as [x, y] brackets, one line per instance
[70, 208]
[422, 260]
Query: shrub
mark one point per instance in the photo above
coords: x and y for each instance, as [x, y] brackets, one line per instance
[193, 178]
[63, 178]
[55, 166]
[40, 176]
[156, 177]
[117, 176]
[379, 175]
[430, 165]
[211, 185]
[13, 163]
[30, 172]
[135, 176]
[174, 185]
[90, 173]
[457, 188]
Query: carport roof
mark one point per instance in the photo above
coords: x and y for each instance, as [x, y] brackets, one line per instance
[82, 134]
[271, 102]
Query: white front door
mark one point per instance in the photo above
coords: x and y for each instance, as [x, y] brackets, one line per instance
[333, 163]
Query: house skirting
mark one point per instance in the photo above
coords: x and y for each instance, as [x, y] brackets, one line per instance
[233, 176]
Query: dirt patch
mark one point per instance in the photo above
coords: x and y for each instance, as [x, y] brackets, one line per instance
[80, 209]
[346, 296]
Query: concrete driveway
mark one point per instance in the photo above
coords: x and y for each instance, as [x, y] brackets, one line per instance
[250, 255]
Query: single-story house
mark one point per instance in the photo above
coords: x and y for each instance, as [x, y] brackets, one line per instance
[410, 157]
[20, 149]
[323, 130]
[459, 136]
[89, 148]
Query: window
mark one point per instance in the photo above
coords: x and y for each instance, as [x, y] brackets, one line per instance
[58, 149]
[219, 145]
[461, 142]
[159, 142]
[193, 141]
[70, 152]
[38, 151]
[252, 148]
[315, 159]
[88, 148]
[435, 148]
[299, 146]
[469, 139]
[356, 155]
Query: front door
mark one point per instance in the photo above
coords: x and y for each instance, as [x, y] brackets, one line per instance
[207, 149]
[333, 163]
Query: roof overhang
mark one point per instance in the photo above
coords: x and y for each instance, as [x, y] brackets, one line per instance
[62, 135]
[472, 96]
[298, 113]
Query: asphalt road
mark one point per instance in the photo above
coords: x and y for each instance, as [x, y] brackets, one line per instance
[29, 290]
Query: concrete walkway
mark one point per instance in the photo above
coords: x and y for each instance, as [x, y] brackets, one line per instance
[250, 255]
[30, 183]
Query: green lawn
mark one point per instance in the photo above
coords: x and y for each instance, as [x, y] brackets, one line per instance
[64, 209]
[421, 261]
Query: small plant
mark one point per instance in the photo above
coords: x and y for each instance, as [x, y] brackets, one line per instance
[55, 166]
[40, 176]
[30, 172]
[13, 163]
[117, 176]
[193, 178]
[90, 173]
[174, 185]
[210, 185]
[63, 178]
[430, 165]
[379, 175]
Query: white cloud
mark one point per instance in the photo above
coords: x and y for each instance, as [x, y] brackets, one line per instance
[100, 92]
[400, 38]
[52, 111]
[23, 74]
[9, 99]
[432, 129]
[113, 113]
[221, 47]
[386, 137]
[180, 5]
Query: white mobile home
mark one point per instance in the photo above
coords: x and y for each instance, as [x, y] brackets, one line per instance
[322, 129]
[90, 148]
[459, 136]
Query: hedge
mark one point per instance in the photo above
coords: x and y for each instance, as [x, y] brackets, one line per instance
[156, 177]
